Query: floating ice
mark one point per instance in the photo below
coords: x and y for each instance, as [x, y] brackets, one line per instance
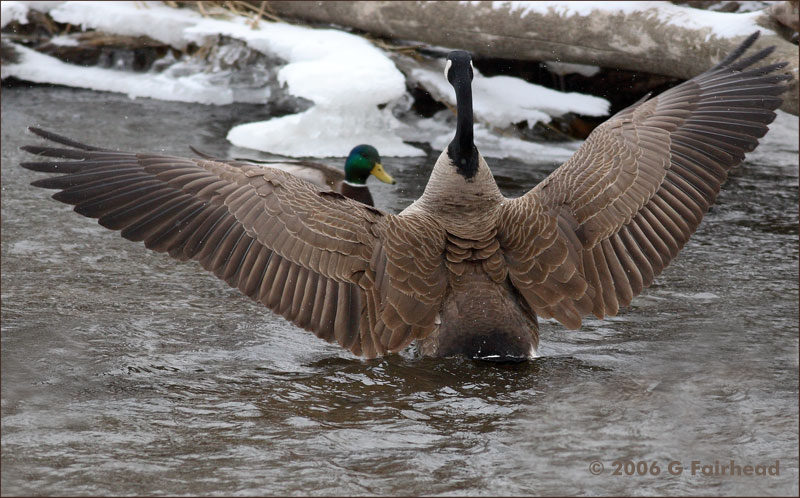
[323, 132]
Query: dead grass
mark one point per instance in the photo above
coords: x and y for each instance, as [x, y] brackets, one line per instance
[256, 11]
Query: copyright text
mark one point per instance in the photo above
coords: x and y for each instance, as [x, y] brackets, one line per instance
[728, 468]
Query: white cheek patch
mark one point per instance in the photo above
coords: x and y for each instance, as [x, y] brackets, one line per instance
[447, 68]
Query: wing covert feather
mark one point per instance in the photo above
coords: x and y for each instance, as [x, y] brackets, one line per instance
[597, 231]
[310, 255]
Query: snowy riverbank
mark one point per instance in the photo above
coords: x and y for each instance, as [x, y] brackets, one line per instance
[354, 89]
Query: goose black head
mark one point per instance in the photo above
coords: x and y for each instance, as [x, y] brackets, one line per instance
[458, 68]
[462, 151]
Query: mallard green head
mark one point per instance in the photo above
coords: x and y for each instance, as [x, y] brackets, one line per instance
[363, 161]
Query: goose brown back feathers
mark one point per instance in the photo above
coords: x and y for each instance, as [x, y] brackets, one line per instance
[461, 267]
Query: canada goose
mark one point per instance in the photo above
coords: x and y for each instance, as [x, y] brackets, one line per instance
[363, 161]
[463, 270]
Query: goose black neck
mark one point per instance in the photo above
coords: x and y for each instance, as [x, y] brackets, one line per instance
[462, 149]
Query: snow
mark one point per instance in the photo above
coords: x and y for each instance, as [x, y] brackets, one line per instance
[40, 68]
[719, 24]
[353, 85]
[345, 76]
[440, 129]
[152, 19]
[324, 132]
[502, 100]
[41, 6]
[13, 11]
[562, 68]
[64, 41]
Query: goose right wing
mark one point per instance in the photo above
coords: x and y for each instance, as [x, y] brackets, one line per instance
[597, 231]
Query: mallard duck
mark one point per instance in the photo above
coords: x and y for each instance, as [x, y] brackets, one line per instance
[363, 161]
[463, 270]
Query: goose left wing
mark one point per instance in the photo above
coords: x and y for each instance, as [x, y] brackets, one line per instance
[345, 271]
[598, 229]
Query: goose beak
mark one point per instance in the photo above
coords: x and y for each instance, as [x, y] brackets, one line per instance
[381, 174]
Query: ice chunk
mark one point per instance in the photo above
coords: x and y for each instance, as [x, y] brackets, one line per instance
[324, 132]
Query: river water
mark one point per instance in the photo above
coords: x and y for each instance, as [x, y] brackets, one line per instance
[124, 372]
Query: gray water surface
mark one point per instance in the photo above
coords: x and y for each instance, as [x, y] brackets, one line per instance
[124, 372]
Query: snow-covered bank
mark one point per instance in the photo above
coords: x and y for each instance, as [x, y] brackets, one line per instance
[198, 87]
[343, 75]
[353, 85]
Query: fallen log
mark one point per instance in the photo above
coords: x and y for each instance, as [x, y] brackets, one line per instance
[664, 39]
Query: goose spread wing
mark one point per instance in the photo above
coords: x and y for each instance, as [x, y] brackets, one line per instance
[317, 258]
[319, 174]
[598, 229]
